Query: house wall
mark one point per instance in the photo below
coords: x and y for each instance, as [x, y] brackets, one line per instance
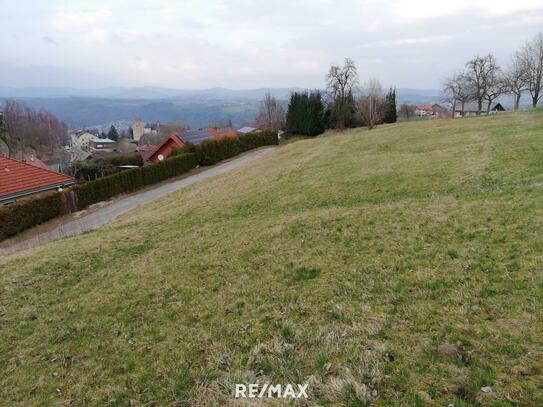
[83, 141]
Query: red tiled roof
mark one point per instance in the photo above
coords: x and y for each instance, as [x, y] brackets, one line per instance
[425, 107]
[20, 178]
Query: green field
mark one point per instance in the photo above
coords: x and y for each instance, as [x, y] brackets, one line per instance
[399, 266]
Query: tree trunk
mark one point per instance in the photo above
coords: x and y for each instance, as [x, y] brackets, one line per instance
[517, 101]
[454, 110]
[463, 109]
[488, 108]
[479, 106]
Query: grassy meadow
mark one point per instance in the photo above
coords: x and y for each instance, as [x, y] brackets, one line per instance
[401, 266]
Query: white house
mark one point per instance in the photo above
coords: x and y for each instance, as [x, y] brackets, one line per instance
[81, 140]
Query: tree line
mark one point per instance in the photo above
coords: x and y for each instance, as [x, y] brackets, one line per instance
[343, 104]
[29, 130]
[482, 80]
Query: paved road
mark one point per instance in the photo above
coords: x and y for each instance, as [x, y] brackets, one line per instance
[108, 213]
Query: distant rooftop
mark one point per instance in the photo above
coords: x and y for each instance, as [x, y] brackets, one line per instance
[194, 136]
[246, 130]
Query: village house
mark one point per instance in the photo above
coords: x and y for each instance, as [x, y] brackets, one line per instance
[20, 180]
[472, 109]
[81, 140]
[177, 141]
[432, 110]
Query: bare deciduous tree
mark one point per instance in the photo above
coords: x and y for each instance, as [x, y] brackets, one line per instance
[31, 130]
[495, 89]
[531, 57]
[370, 105]
[272, 114]
[514, 79]
[406, 112]
[341, 84]
[458, 89]
[482, 74]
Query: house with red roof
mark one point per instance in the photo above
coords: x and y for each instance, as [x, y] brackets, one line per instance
[164, 149]
[433, 110]
[19, 180]
[196, 137]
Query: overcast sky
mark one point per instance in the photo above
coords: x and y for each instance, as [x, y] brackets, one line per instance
[252, 43]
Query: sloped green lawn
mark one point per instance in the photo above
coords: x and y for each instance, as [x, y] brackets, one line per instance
[401, 266]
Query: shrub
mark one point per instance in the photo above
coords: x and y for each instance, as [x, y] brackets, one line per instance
[22, 215]
[131, 180]
[213, 151]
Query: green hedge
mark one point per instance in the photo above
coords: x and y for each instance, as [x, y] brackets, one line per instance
[213, 151]
[22, 215]
[131, 180]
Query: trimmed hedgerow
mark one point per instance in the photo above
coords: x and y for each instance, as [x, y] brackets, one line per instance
[22, 215]
[213, 151]
[131, 180]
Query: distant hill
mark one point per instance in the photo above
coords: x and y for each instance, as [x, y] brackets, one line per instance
[147, 92]
[101, 107]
